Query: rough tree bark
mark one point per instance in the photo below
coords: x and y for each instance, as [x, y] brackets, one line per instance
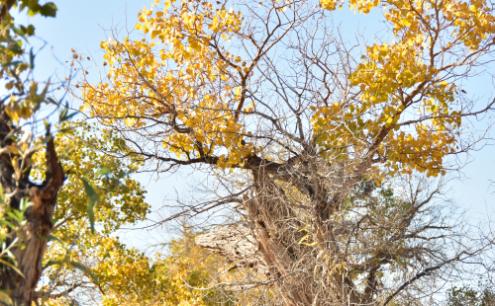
[237, 243]
[33, 235]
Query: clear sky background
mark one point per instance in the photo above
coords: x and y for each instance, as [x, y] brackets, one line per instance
[81, 25]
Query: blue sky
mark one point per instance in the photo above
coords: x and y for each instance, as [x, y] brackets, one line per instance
[81, 25]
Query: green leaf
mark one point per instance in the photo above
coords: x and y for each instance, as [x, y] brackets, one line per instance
[23, 205]
[104, 171]
[55, 239]
[23, 30]
[92, 200]
[76, 264]
[31, 58]
[5, 298]
[70, 116]
[7, 263]
[30, 30]
[64, 113]
[48, 10]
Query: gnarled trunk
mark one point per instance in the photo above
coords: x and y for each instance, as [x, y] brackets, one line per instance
[32, 237]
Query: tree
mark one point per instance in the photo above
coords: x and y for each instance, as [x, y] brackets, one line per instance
[98, 197]
[60, 207]
[20, 100]
[265, 91]
[86, 263]
[181, 278]
[116, 275]
[467, 296]
[47, 223]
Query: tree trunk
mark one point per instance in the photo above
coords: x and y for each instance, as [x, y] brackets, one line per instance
[32, 237]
